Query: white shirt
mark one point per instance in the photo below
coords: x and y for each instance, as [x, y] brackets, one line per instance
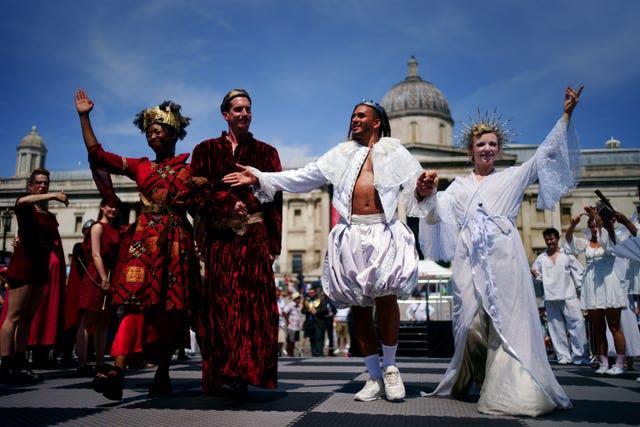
[560, 278]
[418, 311]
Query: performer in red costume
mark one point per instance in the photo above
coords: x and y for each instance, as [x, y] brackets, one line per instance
[38, 257]
[157, 266]
[237, 314]
[74, 283]
[101, 245]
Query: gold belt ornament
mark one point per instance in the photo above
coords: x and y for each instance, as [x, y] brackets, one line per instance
[238, 225]
[153, 208]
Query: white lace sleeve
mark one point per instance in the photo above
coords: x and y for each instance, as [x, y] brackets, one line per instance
[438, 230]
[577, 245]
[413, 207]
[557, 164]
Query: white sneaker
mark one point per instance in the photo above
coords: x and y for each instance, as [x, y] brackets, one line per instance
[615, 370]
[372, 390]
[602, 369]
[393, 386]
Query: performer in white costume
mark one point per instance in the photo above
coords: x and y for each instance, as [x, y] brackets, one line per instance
[561, 275]
[603, 294]
[371, 256]
[498, 340]
[628, 248]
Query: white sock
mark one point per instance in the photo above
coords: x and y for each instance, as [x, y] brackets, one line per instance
[604, 361]
[389, 355]
[620, 360]
[372, 363]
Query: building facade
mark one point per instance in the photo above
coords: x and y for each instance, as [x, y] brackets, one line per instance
[420, 117]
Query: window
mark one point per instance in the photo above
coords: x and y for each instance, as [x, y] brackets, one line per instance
[77, 228]
[540, 216]
[33, 163]
[565, 215]
[23, 162]
[296, 263]
[297, 221]
[413, 132]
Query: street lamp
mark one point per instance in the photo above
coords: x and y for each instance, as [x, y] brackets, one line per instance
[6, 226]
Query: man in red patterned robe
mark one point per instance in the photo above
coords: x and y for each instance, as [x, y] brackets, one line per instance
[237, 314]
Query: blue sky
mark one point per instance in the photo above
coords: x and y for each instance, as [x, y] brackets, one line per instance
[306, 63]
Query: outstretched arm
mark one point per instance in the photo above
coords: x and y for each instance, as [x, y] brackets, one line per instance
[568, 236]
[31, 199]
[84, 105]
[622, 219]
[571, 99]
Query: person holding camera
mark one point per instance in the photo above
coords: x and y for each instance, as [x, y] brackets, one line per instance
[602, 295]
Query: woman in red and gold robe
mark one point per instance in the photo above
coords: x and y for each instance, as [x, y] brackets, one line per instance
[157, 266]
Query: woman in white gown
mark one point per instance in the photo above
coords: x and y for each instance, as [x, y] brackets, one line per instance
[498, 339]
[603, 293]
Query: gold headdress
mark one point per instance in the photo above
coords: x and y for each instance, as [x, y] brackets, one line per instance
[166, 113]
[156, 115]
[486, 123]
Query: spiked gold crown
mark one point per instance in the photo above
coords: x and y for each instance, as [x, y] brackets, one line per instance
[486, 122]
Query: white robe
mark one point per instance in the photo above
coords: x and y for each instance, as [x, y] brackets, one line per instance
[473, 223]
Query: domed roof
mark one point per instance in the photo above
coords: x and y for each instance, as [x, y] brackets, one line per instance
[32, 140]
[612, 143]
[414, 96]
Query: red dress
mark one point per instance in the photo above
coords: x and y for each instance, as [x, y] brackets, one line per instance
[92, 297]
[157, 266]
[236, 314]
[74, 283]
[38, 237]
[38, 259]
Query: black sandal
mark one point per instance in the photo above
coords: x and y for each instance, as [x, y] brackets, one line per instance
[100, 380]
[109, 381]
[113, 389]
[160, 387]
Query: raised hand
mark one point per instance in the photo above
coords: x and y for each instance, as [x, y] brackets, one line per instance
[571, 99]
[83, 104]
[576, 219]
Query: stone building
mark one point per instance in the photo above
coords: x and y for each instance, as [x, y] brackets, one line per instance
[420, 117]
